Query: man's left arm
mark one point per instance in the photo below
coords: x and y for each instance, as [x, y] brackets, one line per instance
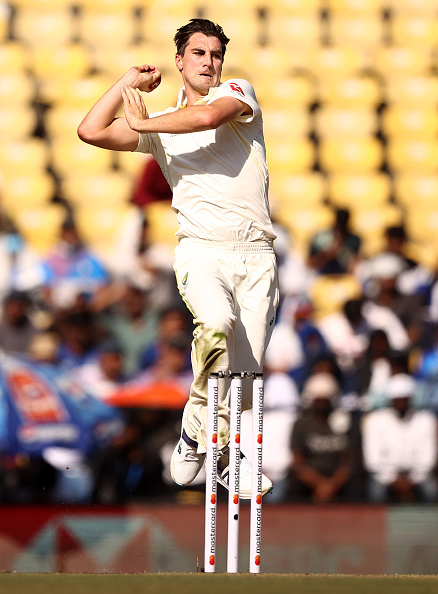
[194, 118]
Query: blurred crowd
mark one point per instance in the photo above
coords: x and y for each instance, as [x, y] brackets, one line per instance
[351, 388]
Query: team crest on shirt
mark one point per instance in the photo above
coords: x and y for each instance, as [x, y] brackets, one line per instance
[235, 87]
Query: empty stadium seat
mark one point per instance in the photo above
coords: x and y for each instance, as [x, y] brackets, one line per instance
[100, 226]
[109, 29]
[49, 27]
[414, 30]
[413, 7]
[360, 191]
[40, 226]
[30, 156]
[352, 91]
[286, 123]
[63, 121]
[69, 156]
[410, 121]
[305, 189]
[282, 91]
[16, 88]
[412, 190]
[68, 61]
[294, 31]
[363, 7]
[415, 155]
[331, 120]
[17, 122]
[402, 61]
[356, 30]
[107, 189]
[22, 192]
[131, 163]
[290, 156]
[288, 7]
[14, 57]
[78, 92]
[162, 223]
[422, 225]
[354, 155]
[330, 62]
[413, 90]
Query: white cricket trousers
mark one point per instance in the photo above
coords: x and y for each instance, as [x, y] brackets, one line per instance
[232, 291]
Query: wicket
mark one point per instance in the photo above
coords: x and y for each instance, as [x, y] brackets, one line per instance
[234, 471]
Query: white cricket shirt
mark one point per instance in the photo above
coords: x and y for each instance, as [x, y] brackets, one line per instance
[219, 178]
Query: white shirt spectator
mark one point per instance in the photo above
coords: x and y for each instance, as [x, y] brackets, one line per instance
[392, 444]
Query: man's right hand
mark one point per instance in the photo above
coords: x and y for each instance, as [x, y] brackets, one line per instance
[145, 77]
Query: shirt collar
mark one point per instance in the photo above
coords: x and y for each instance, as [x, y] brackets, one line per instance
[182, 97]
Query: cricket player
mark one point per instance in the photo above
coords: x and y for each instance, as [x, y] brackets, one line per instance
[211, 150]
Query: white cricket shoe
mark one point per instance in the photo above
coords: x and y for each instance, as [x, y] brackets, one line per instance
[185, 463]
[223, 475]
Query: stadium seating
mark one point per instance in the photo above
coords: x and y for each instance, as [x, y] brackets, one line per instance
[336, 121]
[38, 27]
[107, 189]
[356, 30]
[359, 154]
[296, 190]
[360, 191]
[321, 70]
[24, 191]
[410, 121]
[71, 155]
[17, 122]
[40, 225]
[416, 190]
[328, 293]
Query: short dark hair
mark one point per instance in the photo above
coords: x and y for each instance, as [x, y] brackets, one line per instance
[208, 28]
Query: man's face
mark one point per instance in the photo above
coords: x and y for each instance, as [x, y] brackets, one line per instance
[201, 64]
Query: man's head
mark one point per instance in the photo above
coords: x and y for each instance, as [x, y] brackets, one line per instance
[401, 389]
[204, 26]
[200, 54]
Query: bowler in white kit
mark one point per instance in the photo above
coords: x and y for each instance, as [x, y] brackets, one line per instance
[211, 149]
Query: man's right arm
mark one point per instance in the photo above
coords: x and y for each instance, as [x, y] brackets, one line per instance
[101, 128]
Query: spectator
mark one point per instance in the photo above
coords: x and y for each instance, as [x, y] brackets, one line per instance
[374, 369]
[102, 376]
[19, 264]
[151, 185]
[412, 277]
[173, 323]
[79, 338]
[335, 250]
[321, 444]
[16, 328]
[139, 261]
[137, 462]
[134, 325]
[71, 269]
[400, 447]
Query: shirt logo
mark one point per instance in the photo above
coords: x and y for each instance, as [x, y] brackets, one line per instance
[237, 89]
[185, 279]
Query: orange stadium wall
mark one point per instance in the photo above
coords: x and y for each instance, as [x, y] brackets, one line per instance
[301, 539]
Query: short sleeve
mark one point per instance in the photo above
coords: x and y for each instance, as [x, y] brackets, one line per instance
[240, 89]
[145, 144]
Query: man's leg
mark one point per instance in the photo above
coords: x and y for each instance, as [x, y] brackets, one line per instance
[206, 289]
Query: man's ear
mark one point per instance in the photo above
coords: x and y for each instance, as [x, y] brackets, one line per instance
[178, 62]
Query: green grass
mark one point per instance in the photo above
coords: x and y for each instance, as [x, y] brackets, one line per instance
[214, 584]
